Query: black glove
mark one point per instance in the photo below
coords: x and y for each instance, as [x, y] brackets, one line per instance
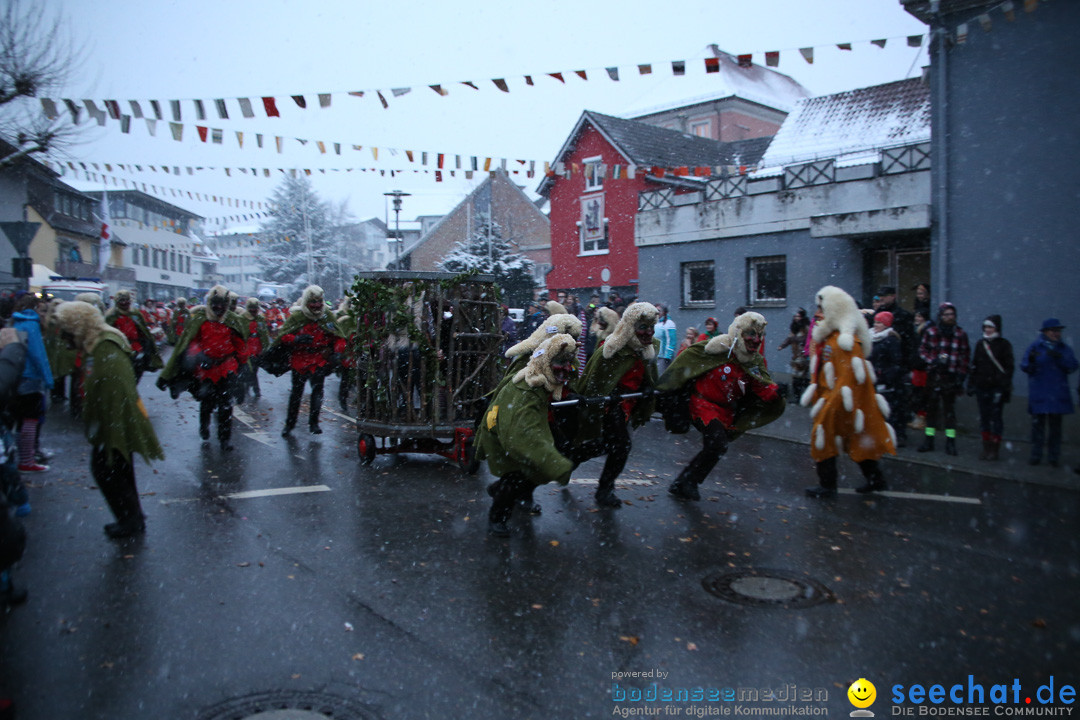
[1054, 354]
[304, 339]
[162, 383]
[203, 360]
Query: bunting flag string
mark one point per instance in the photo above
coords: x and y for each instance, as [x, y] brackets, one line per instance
[271, 109]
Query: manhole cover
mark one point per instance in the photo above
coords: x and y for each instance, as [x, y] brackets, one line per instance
[767, 588]
[288, 705]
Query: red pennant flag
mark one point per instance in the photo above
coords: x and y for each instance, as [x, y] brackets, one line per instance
[558, 76]
[202, 132]
[658, 171]
[438, 176]
[440, 162]
[501, 84]
[581, 74]
[529, 80]
[382, 99]
[712, 65]
[702, 171]
[300, 100]
[645, 69]
[682, 171]
[270, 105]
[746, 61]
[772, 58]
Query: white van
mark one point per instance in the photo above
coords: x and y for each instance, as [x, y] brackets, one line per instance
[66, 288]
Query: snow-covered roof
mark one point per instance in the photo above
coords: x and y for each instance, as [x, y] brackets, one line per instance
[852, 123]
[756, 83]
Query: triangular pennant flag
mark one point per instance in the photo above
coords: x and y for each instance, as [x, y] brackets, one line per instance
[259, 139]
[398, 92]
[280, 142]
[844, 46]
[678, 67]
[49, 108]
[240, 138]
[245, 107]
[772, 58]
[961, 33]
[270, 106]
[702, 171]
[136, 109]
[357, 93]
[203, 130]
[114, 109]
[438, 176]
[712, 65]
[808, 54]
[222, 111]
[156, 107]
[501, 84]
[175, 105]
[439, 161]
[613, 73]
[382, 99]
[423, 157]
[914, 41]
[322, 147]
[439, 89]
[409, 154]
[200, 111]
[151, 126]
[74, 110]
[986, 22]
[1006, 7]
[581, 74]
[94, 112]
[475, 163]
[300, 101]
[471, 84]
[324, 100]
[645, 69]
[880, 43]
[375, 153]
[487, 164]
[558, 76]
[177, 131]
[746, 60]
[125, 124]
[337, 148]
[529, 80]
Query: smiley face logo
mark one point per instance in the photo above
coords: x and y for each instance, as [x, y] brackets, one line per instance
[862, 693]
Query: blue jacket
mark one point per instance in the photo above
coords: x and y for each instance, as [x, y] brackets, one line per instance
[666, 332]
[36, 376]
[1046, 364]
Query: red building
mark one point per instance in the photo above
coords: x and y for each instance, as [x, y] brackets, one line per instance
[599, 172]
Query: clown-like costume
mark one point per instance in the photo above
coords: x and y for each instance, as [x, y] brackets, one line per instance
[847, 413]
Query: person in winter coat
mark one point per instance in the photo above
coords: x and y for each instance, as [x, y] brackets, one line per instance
[36, 381]
[920, 400]
[946, 352]
[800, 363]
[724, 389]
[12, 491]
[887, 358]
[604, 320]
[625, 363]
[516, 435]
[132, 324]
[689, 338]
[207, 361]
[117, 424]
[346, 322]
[990, 381]
[847, 414]
[178, 320]
[712, 329]
[509, 329]
[1047, 362]
[314, 343]
[668, 335]
[257, 339]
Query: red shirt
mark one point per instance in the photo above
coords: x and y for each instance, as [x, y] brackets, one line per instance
[131, 331]
[717, 392]
[222, 345]
[310, 357]
[631, 382]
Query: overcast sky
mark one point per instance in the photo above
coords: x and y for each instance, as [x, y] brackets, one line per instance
[209, 49]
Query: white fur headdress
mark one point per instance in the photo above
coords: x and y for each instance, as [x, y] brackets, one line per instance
[624, 336]
[724, 344]
[610, 317]
[218, 291]
[538, 372]
[86, 324]
[554, 325]
[311, 292]
[554, 307]
[840, 313]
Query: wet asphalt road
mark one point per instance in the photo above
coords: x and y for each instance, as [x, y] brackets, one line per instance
[381, 585]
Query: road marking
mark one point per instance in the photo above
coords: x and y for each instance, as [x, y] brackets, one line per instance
[270, 492]
[261, 436]
[916, 496]
[624, 482]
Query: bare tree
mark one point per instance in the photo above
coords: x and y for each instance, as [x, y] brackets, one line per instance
[36, 57]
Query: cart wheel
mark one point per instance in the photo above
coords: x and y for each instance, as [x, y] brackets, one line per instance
[365, 447]
[468, 462]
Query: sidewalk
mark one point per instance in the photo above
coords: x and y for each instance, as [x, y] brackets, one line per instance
[794, 426]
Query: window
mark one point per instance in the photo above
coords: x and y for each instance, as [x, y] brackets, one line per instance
[593, 226]
[146, 257]
[594, 173]
[767, 280]
[701, 128]
[698, 284]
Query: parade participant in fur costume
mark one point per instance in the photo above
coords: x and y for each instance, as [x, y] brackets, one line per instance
[723, 388]
[516, 434]
[625, 363]
[847, 414]
[131, 323]
[312, 342]
[603, 324]
[117, 424]
[347, 324]
[257, 338]
[207, 361]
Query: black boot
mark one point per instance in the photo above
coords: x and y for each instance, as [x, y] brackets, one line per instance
[529, 505]
[504, 493]
[826, 487]
[874, 479]
[950, 446]
[10, 595]
[684, 489]
[927, 444]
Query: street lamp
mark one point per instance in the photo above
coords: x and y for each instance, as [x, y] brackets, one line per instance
[397, 195]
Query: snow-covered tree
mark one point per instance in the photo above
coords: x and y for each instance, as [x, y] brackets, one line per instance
[297, 212]
[487, 251]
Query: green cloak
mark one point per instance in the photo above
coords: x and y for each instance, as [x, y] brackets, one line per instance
[152, 360]
[600, 379]
[175, 369]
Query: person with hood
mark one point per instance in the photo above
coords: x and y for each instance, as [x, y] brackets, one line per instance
[130, 322]
[12, 490]
[117, 425]
[517, 437]
[534, 318]
[178, 320]
[887, 357]
[36, 381]
[990, 381]
[712, 329]
[1047, 362]
[847, 415]
[947, 354]
[604, 320]
[723, 388]
[257, 339]
[312, 341]
[207, 361]
[347, 324]
[624, 363]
